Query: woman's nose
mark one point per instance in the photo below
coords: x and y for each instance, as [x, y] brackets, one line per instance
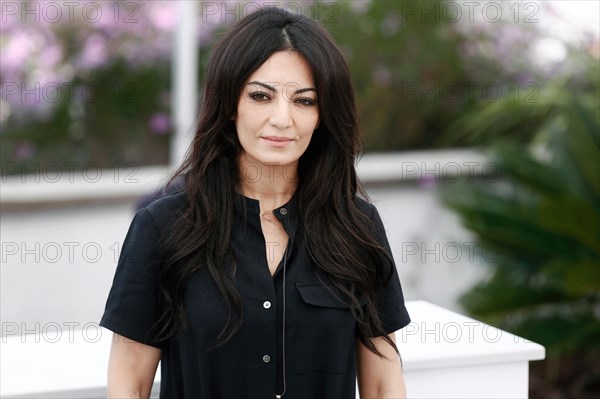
[281, 115]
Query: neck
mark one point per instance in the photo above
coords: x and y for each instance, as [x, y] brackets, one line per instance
[272, 185]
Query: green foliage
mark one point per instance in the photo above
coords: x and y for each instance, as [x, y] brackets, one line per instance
[542, 215]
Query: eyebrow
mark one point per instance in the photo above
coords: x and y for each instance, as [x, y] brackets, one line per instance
[266, 86]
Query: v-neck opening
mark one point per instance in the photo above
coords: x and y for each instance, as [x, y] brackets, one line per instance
[281, 263]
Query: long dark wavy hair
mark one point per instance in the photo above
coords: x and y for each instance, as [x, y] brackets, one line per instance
[339, 237]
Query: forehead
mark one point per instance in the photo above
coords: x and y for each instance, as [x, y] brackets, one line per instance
[284, 67]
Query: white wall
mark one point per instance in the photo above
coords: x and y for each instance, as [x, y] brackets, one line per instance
[426, 241]
[66, 287]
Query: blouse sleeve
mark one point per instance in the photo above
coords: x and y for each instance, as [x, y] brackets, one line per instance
[390, 299]
[132, 307]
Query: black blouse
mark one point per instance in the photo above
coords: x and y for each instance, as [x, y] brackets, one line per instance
[320, 331]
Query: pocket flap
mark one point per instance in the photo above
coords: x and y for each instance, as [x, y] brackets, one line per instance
[319, 295]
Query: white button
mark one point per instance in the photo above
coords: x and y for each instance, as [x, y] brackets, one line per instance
[266, 304]
[283, 211]
[266, 358]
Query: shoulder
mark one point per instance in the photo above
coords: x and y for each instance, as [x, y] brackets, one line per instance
[365, 207]
[167, 203]
[370, 211]
[165, 210]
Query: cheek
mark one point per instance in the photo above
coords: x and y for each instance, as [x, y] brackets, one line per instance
[245, 120]
[309, 125]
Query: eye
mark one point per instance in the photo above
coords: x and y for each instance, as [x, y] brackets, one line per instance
[259, 96]
[306, 101]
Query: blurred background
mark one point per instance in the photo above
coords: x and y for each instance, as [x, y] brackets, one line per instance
[482, 130]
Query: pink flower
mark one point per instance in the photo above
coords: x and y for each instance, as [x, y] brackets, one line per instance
[163, 15]
[23, 151]
[159, 123]
[94, 52]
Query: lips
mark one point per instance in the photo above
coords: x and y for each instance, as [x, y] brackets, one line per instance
[277, 141]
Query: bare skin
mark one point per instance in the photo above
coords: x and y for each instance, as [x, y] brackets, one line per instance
[131, 368]
[379, 377]
[275, 238]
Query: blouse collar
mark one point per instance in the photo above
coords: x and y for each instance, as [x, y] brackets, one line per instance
[287, 213]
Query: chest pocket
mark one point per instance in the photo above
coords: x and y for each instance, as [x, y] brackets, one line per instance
[325, 331]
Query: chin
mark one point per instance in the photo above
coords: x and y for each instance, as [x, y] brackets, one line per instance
[276, 161]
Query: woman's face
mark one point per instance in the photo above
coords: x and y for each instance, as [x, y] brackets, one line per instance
[277, 110]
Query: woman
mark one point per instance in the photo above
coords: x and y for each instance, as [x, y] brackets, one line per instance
[266, 276]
